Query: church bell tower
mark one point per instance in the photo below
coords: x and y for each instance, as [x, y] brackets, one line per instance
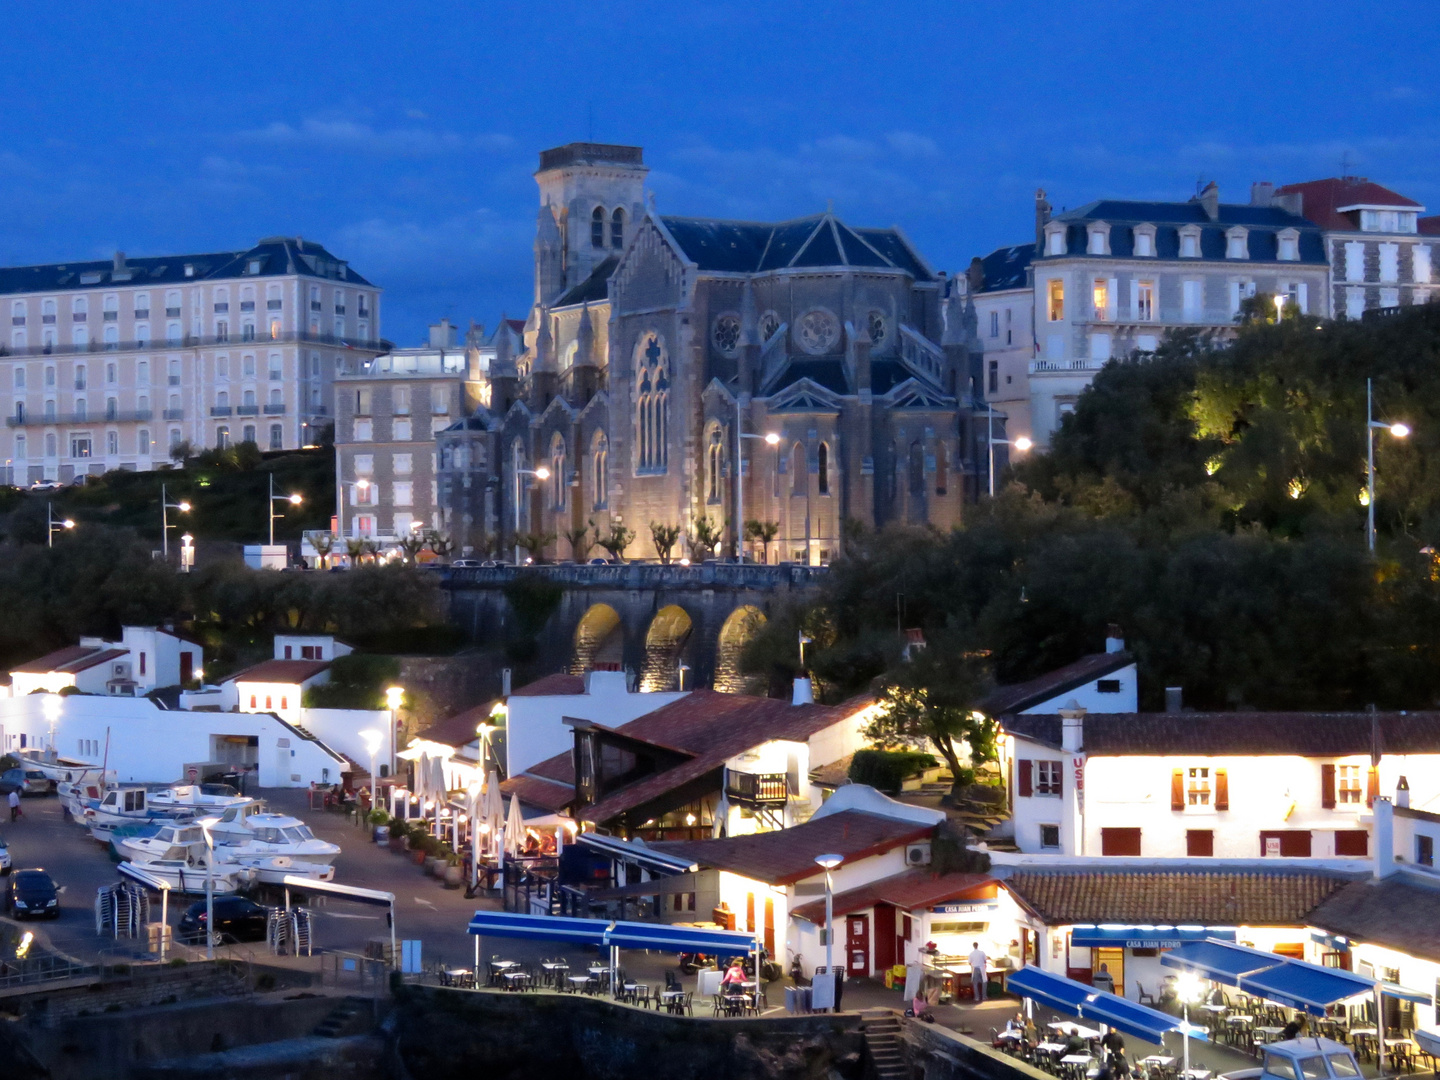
[591, 195]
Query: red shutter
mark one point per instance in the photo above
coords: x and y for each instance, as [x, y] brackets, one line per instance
[1327, 786]
[1222, 790]
[1025, 777]
[1372, 786]
[1177, 790]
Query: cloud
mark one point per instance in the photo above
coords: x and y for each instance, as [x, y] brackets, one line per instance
[911, 145]
[351, 136]
[416, 114]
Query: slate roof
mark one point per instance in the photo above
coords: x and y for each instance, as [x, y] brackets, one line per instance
[1429, 226]
[1321, 199]
[594, 289]
[1306, 734]
[1395, 912]
[278, 255]
[747, 247]
[907, 891]
[1276, 897]
[1006, 268]
[788, 855]
[290, 672]
[1263, 222]
[551, 795]
[1022, 696]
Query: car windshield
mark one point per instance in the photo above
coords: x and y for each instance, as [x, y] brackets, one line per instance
[1313, 1068]
[1342, 1065]
[1276, 1065]
[31, 879]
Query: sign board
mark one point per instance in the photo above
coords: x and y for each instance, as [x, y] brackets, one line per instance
[410, 957]
[978, 908]
[822, 994]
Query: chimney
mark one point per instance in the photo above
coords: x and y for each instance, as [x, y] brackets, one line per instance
[1072, 717]
[1384, 838]
[606, 678]
[505, 683]
[1114, 639]
[1262, 193]
[1174, 698]
[119, 264]
[1402, 794]
[1210, 200]
[1042, 218]
[804, 693]
[975, 276]
[1292, 201]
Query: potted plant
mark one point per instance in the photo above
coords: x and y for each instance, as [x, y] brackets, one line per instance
[452, 871]
[380, 822]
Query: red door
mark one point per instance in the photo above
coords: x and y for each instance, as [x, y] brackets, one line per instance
[770, 926]
[187, 667]
[885, 938]
[857, 946]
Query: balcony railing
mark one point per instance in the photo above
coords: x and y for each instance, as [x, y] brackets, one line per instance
[174, 414]
[275, 410]
[190, 341]
[756, 789]
[247, 410]
[31, 420]
[221, 410]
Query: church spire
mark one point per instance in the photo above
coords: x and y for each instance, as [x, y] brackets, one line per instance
[544, 343]
[585, 339]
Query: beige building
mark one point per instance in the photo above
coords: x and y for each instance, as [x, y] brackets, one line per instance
[388, 411]
[109, 365]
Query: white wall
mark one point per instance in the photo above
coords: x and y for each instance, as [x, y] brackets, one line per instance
[340, 730]
[149, 744]
[534, 726]
[329, 647]
[283, 699]
[1089, 697]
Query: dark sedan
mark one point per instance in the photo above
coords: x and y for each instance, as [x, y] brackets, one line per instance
[32, 894]
[236, 919]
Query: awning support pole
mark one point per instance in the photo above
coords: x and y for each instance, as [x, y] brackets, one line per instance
[1379, 1030]
[392, 934]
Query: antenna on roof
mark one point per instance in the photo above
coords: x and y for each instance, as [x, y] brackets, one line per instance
[1345, 165]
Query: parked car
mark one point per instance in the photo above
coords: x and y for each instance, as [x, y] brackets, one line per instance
[464, 564]
[237, 918]
[4, 858]
[489, 564]
[32, 894]
[25, 781]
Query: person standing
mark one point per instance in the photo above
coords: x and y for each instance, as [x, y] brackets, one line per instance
[14, 806]
[978, 961]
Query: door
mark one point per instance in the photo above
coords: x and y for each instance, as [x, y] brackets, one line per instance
[885, 956]
[770, 926]
[750, 912]
[187, 667]
[857, 946]
[1113, 960]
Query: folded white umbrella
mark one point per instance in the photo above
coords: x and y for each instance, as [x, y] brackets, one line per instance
[722, 815]
[514, 829]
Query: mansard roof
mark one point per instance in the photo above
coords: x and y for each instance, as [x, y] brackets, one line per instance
[1006, 268]
[276, 255]
[747, 247]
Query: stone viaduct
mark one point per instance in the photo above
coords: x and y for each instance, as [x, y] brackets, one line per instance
[650, 619]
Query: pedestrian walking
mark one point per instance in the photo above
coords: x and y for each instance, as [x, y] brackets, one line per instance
[978, 961]
[14, 806]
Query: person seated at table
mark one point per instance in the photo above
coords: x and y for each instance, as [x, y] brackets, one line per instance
[1295, 1028]
[1074, 1044]
[1016, 1024]
[734, 976]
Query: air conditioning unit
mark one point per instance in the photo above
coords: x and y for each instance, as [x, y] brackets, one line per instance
[917, 855]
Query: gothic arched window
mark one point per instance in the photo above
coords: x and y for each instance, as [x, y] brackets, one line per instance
[652, 403]
[559, 478]
[617, 229]
[597, 227]
[601, 455]
[823, 479]
[714, 460]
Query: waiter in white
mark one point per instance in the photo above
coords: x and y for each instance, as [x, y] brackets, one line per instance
[978, 960]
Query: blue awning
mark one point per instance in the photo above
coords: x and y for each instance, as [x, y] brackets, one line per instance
[1395, 990]
[636, 852]
[1146, 937]
[1306, 986]
[1219, 961]
[1053, 991]
[1139, 1021]
[637, 935]
[539, 927]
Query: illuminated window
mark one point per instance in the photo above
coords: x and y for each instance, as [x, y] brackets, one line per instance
[1347, 783]
[1197, 786]
[1145, 301]
[1047, 777]
[1100, 294]
[1056, 306]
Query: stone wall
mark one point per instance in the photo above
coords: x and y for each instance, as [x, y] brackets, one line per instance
[937, 1053]
[445, 1034]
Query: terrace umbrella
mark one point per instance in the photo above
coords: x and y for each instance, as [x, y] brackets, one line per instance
[494, 811]
[514, 829]
[722, 815]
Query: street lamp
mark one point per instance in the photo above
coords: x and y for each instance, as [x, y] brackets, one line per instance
[52, 526]
[187, 553]
[165, 507]
[485, 730]
[210, 934]
[1022, 444]
[293, 500]
[542, 473]
[1396, 430]
[829, 862]
[371, 738]
[394, 697]
[1187, 989]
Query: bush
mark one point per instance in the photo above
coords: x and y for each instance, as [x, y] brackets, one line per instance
[357, 681]
[887, 770]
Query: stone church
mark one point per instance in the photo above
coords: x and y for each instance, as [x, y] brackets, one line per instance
[830, 360]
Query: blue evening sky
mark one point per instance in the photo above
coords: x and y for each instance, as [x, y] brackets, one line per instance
[403, 136]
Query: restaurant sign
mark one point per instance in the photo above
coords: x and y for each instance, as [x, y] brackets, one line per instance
[977, 908]
[1145, 937]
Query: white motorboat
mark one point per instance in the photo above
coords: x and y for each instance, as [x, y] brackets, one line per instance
[171, 841]
[274, 869]
[270, 834]
[201, 798]
[57, 769]
[189, 875]
[128, 806]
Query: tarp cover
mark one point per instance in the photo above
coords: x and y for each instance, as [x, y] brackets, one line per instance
[539, 927]
[1306, 986]
[1144, 937]
[1054, 991]
[637, 935]
[1219, 961]
[1139, 1021]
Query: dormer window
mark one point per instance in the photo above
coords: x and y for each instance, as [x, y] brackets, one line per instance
[1098, 239]
[1190, 242]
[1390, 221]
[1289, 245]
[1145, 241]
[1055, 239]
[1237, 243]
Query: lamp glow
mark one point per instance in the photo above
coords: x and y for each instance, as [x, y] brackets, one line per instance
[1400, 431]
[185, 506]
[773, 439]
[542, 473]
[1023, 444]
[295, 500]
[394, 695]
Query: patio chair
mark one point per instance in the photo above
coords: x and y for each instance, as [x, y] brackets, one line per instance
[689, 1003]
[718, 1003]
[1142, 997]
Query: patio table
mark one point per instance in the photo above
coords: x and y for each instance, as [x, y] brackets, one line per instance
[1158, 1059]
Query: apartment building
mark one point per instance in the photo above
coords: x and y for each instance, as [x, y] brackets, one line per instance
[388, 411]
[1378, 258]
[110, 365]
[1000, 288]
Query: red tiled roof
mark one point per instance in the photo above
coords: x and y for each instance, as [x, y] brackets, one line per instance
[908, 891]
[99, 657]
[458, 730]
[550, 795]
[1026, 695]
[1321, 199]
[1279, 897]
[552, 684]
[290, 672]
[59, 660]
[788, 855]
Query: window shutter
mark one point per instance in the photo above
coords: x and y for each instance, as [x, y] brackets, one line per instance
[1177, 790]
[1024, 777]
[1372, 786]
[1327, 786]
[1222, 790]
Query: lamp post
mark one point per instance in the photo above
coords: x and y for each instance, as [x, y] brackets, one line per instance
[165, 507]
[371, 738]
[293, 500]
[52, 526]
[187, 553]
[1399, 431]
[1187, 989]
[210, 935]
[741, 435]
[1022, 444]
[484, 729]
[829, 862]
[394, 698]
[542, 473]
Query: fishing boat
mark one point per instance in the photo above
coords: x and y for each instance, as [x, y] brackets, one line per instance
[128, 806]
[58, 770]
[189, 874]
[202, 798]
[270, 834]
[168, 841]
[274, 869]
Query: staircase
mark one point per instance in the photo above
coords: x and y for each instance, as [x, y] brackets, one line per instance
[882, 1038]
[340, 1020]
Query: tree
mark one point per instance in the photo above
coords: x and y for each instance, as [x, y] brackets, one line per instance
[616, 540]
[535, 543]
[763, 531]
[579, 541]
[323, 543]
[665, 538]
[182, 450]
[439, 543]
[705, 537]
[360, 548]
[411, 545]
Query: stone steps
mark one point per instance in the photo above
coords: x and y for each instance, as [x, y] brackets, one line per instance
[338, 1020]
[881, 1028]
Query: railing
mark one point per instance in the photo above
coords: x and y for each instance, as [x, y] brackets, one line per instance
[275, 410]
[190, 341]
[32, 420]
[756, 789]
[1040, 366]
[221, 410]
[247, 410]
[46, 968]
[174, 414]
